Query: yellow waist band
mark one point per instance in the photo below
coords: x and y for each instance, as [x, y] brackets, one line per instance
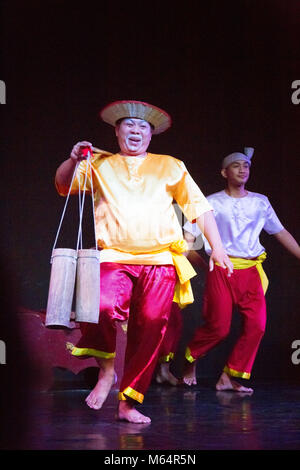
[183, 294]
[243, 263]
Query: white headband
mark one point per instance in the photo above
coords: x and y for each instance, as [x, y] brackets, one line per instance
[233, 157]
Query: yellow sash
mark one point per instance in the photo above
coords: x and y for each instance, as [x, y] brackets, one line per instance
[183, 294]
[243, 263]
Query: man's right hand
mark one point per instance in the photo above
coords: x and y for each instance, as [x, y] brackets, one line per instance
[65, 171]
[219, 256]
[77, 154]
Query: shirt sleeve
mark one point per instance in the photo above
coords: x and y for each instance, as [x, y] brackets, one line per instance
[81, 180]
[272, 224]
[189, 197]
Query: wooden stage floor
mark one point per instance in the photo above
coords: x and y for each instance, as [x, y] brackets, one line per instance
[183, 419]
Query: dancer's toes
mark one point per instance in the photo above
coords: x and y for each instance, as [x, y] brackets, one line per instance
[189, 377]
[128, 413]
[100, 392]
[240, 388]
[94, 401]
[225, 382]
[189, 381]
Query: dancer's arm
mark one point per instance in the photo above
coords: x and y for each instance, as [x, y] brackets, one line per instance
[208, 227]
[288, 241]
[65, 171]
[192, 255]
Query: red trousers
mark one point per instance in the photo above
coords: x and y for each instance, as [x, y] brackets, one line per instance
[142, 295]
[173, 334]
[244, 290]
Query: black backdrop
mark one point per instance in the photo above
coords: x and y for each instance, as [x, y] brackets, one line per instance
[223, 70]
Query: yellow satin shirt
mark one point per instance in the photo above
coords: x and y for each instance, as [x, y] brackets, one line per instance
[133, 199]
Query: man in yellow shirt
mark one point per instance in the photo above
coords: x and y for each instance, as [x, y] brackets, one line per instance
[142, 265]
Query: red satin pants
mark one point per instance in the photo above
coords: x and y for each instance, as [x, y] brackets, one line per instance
[142, 295]
[173, 334]
[244, 290]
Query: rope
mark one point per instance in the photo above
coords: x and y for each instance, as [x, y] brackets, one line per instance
[81, 201]
[65, 206]
[94, 221]
[79, 207]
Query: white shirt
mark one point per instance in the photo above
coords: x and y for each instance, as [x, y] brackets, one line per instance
[240, 221]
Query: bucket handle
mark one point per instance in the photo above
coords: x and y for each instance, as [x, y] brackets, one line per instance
[81, 204]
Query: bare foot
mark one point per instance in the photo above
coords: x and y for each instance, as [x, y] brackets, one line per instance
[189, 377]
[98, 395]
[164, 375]
[225, 382]
[127, 412]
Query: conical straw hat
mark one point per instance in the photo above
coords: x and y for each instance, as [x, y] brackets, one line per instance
[159, 118]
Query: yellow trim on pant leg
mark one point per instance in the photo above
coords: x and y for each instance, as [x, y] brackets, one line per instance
[236, 373]
[188, 355]
[78, 352]
[131, 393]
[167, 358]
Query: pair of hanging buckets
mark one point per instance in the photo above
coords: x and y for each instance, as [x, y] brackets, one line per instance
[72, 268]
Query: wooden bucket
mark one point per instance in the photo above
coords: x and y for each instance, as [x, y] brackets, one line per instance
[61, 287]
[88, 286]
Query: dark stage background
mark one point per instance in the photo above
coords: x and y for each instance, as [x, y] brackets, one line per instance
[223, 70]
